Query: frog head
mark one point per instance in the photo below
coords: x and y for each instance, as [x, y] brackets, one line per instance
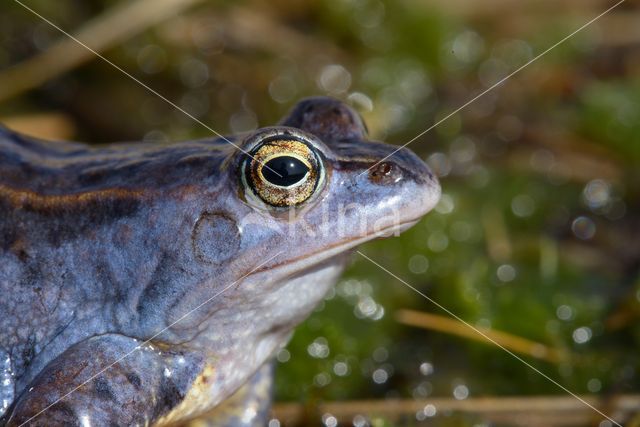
[300, 196]
[320, 182]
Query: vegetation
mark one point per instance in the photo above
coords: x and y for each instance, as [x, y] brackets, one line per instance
[537, 232]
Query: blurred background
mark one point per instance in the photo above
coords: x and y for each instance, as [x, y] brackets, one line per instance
[536, 240]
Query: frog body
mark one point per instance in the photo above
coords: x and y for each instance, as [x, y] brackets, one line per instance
[146, 284]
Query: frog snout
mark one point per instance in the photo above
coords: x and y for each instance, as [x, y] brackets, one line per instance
[385, 176]
[407, 178]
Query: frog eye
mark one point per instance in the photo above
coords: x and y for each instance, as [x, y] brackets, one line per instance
[283, 172]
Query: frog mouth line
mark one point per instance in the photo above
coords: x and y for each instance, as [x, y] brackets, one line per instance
[307, 261]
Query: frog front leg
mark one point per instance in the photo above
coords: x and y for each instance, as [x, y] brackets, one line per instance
[106, 380]
[248, 407]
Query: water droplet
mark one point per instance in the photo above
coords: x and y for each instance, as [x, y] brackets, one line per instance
[370, 14]
[597, 193]
[594, 385]
[380, 354]
[322, 379]
[463, 150]
[283, 356]
[334, 78]
[152, 59]
[506, 273]
[422, 390]
[438, 241]
[194, 73]
[366, 307]
[319, 348]
[523, 205]
[461, 392]
[445, 205]
[542, 160]
[491, 71]
[514, 52]
[360, 421]
[429, 410]
[582, 335]
[380, 376]
[467, 46]
[340, 369]
[583, 228]
[460, 231]
[426, 368]
[564, 312]
[418, 264]
[283, 89]
[439, 164]
[478, 176]
[329, 420]
[195, 103]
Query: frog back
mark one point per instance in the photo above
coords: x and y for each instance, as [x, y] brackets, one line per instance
[84, 233]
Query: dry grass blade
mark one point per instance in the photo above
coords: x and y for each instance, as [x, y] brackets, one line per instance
[494, 7]
[515, 411]
[450, 326]
[52, 126]
[112, 27]
[239, 25]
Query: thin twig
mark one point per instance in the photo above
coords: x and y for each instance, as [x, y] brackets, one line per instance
[239, 26]
[518, 410]
[512, 342]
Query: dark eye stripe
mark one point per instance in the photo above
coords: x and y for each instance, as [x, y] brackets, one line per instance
[284, 171]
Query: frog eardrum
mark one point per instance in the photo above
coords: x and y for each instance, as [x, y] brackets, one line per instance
[283, 170]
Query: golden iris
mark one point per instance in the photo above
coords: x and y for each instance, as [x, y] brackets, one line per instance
[283, 172]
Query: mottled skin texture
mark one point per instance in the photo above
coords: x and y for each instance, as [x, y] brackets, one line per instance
[102, 248]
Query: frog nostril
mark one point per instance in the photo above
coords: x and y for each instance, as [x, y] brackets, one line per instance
[380, 171]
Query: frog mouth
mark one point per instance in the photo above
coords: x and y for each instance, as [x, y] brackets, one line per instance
[313, 259]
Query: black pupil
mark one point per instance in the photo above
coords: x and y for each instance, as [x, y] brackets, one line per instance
[284, 171]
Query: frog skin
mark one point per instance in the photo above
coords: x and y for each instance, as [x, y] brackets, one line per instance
[106, 251]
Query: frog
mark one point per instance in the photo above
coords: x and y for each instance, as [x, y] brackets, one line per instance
[153, 284]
